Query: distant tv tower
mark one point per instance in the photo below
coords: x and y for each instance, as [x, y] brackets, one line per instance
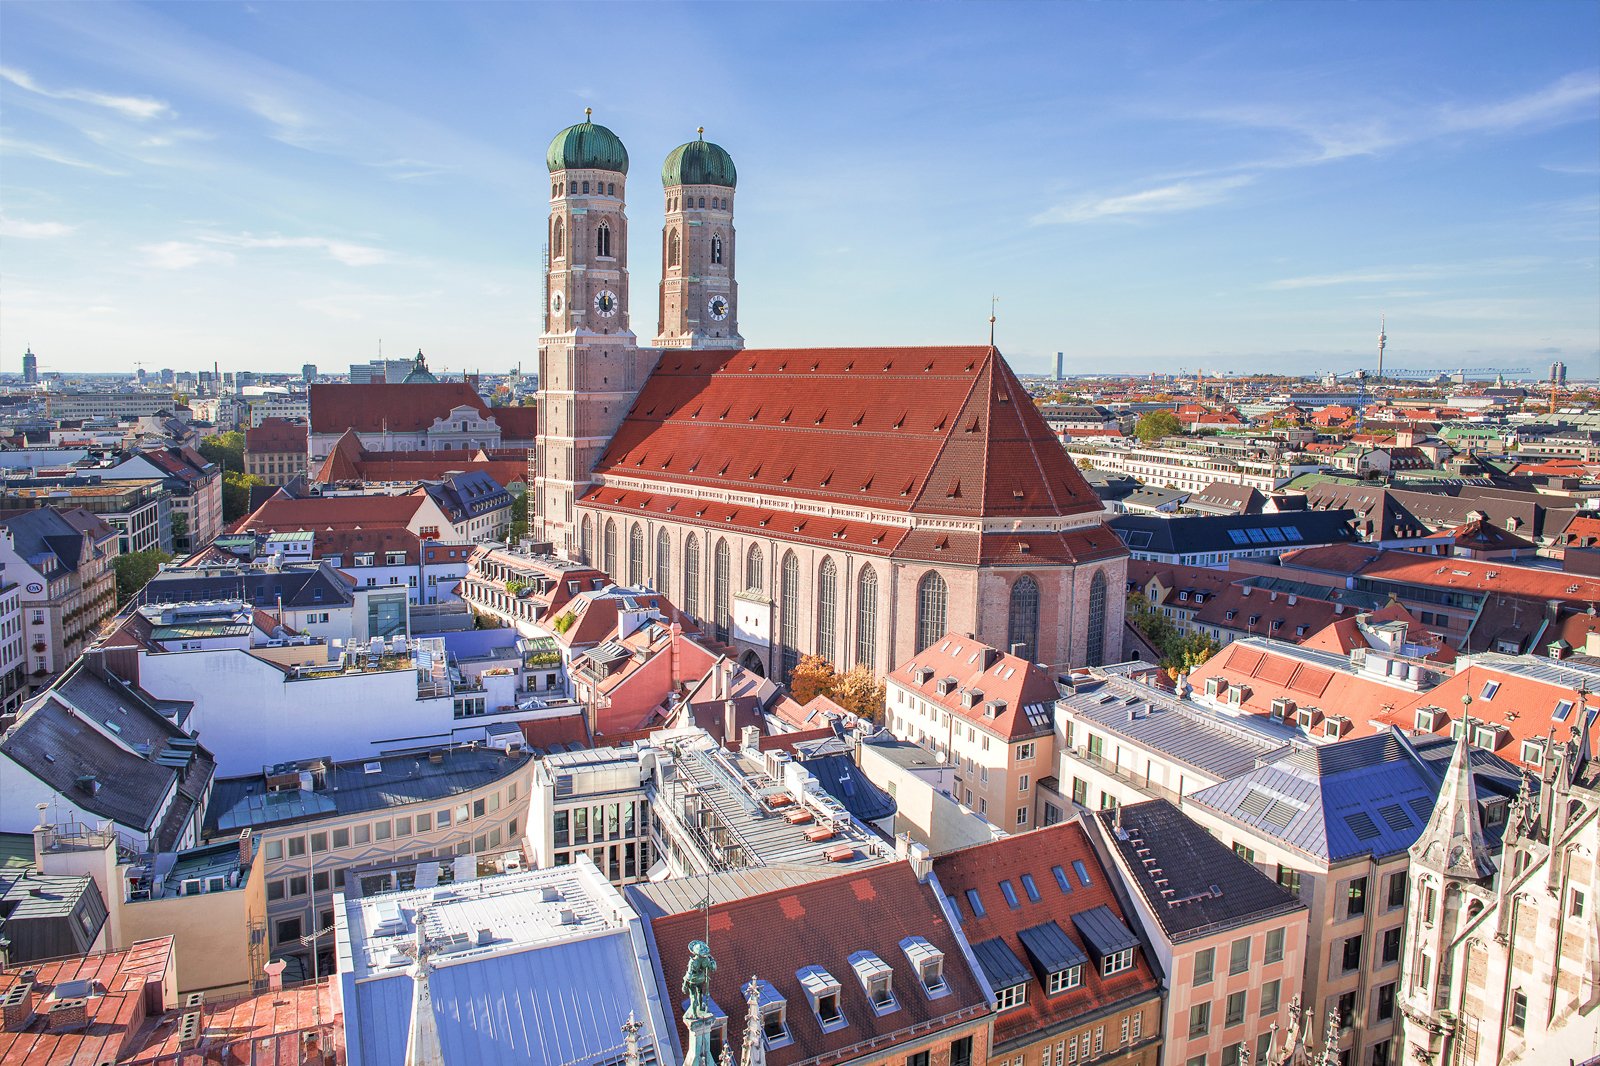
[1383, 340]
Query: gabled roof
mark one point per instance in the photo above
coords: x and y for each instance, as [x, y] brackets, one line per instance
[1232, 533]
[775, 935]
[397, 408]
[935, 431]
[276, 435]
[1076, 915]
[1001, 694]
[1193, 883]
[282, 513]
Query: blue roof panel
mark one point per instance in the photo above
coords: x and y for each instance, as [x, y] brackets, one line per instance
[1103, 931]
[1000, 964]
[1051, 949]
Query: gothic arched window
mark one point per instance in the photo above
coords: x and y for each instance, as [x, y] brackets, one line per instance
[789, 613]
[558, 240]
[702, 201]
[716, 249]
[691, 576]
[602, 239]
[931, 598]
[609, 549]
[1023, 625]
[1095, 654]
[754, 579]
[827, 608]
[867, 618]
[674, 248]
[611, 188]
[720, 611]
[585, 539]
[636, 555]
[663, 562]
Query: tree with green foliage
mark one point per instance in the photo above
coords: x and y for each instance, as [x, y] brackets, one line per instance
[225, 449]
[134, 571]
[1180, 650]
[236, 486]
[1154, 425]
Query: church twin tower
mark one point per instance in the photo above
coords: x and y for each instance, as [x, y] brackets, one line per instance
[590, 364]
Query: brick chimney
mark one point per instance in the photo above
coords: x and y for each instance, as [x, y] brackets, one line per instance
[17, 1005]
[67, 1014]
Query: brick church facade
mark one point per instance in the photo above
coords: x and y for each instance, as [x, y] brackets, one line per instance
[856, 503]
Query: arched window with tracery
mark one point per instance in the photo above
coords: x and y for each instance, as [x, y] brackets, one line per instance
[674, 248]
[602, 239]
[586, 541]
[663, 562]
[1022, 629]
[867, 618]
[636, 555]
[609, 551]
[716, 249]
[789, 612]
[721, 614]
[931, 597]
[558, 240]
[691, 576]
[754, 578]
[1095, 653]
[827, 608]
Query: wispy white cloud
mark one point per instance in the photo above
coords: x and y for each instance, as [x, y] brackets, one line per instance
[12, 146]
[134, 107]
[16, 227]
[347, 252]
[1175, 196]
[1491, 267]
[1573, 96]
[1319, 281]
[181, 255]
[1584, 170]
[412, 169]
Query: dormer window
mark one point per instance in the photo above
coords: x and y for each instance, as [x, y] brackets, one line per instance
[823, 989]
[877, 981]
[928, 962]
[1007, 998]
[1116, 962]
[774, 1014]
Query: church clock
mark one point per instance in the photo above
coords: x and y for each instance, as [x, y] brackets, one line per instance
[605, 302]
[718, 308]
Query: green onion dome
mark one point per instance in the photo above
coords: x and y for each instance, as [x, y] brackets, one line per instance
[587, 146]
[699, 163]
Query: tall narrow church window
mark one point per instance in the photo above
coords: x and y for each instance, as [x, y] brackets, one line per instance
[558, 240]
[702, 201]
[1023, 627]
[691, 576]
[636, 555]
[867, 618]
[611, 188]
[585, 540]
[754, 579]
[674, 251]
[930, 609]
[609, 551]
[602, 240]
[789, 613]
[663, 562]
[716, 249]
[1095, 654]
[827, 608]
[720, 613]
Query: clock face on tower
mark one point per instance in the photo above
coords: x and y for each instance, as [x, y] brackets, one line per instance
[556, 303]
[605, 302]
[718, 308]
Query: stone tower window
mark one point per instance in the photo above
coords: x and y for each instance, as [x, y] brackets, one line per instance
[716, 249]
[585, 186]
[702, 201]
[674, 248]
[602, 239]
[558, 240]
[931, 596]
[611, 188]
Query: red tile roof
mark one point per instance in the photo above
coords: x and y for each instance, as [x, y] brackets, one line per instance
[937, 431]
[374, 408]
[822, 923]
[1276, 614]
[283, 514]
[118, 1016]
[545, 733]
[983, 868]
[264, 1029]
[348, 460]
[982, 676]
[1523, 707]
[276, 435]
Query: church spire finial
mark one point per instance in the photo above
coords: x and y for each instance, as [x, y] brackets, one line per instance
[992, 301]
[701, 130]
[588, 114]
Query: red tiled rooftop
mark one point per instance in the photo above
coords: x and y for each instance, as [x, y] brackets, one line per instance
[993, 675]
[282, 514]
[134, 985]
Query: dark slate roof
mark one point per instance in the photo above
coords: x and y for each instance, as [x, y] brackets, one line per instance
[133, 773]
[468, 495]
[1367, 796]
[1050, 948]
[1194, 884]
[843, 780]
[48, 917]
[302, 586]
[1000, 964]
[44, 538]
[1103, 931]
[1219, 533]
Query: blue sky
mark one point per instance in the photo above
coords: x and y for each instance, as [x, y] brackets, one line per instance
[1145, 187]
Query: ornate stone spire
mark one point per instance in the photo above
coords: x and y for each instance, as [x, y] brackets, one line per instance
[422, 1042]
[1453, 843]
[630, 1041]
[754, 1052]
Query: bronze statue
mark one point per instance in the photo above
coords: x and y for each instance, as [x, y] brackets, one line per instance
[697, 978]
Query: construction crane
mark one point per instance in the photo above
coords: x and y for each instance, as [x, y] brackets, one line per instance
[1460, 372]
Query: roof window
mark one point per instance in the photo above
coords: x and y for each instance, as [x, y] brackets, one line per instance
[877, 981]
[976, 904]
[928, 962]
[1061, 879]
[774, 1014]
[1489, 689]
[822, 988]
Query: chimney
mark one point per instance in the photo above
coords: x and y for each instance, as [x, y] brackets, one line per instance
[752, 739]
[67, 1014]
[921, 861]
[274, 972]
[43, 833]
[17, 1005]
[247, 849]
[730, 722]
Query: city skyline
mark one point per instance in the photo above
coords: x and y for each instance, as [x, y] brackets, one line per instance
[1241, 188]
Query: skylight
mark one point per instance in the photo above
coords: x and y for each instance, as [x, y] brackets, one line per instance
[1030, 888]
[1082, 872]
[975, 903]
[1061, 878]
[1489, 689]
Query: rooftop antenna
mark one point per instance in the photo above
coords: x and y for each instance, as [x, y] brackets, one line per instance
[992, 301]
